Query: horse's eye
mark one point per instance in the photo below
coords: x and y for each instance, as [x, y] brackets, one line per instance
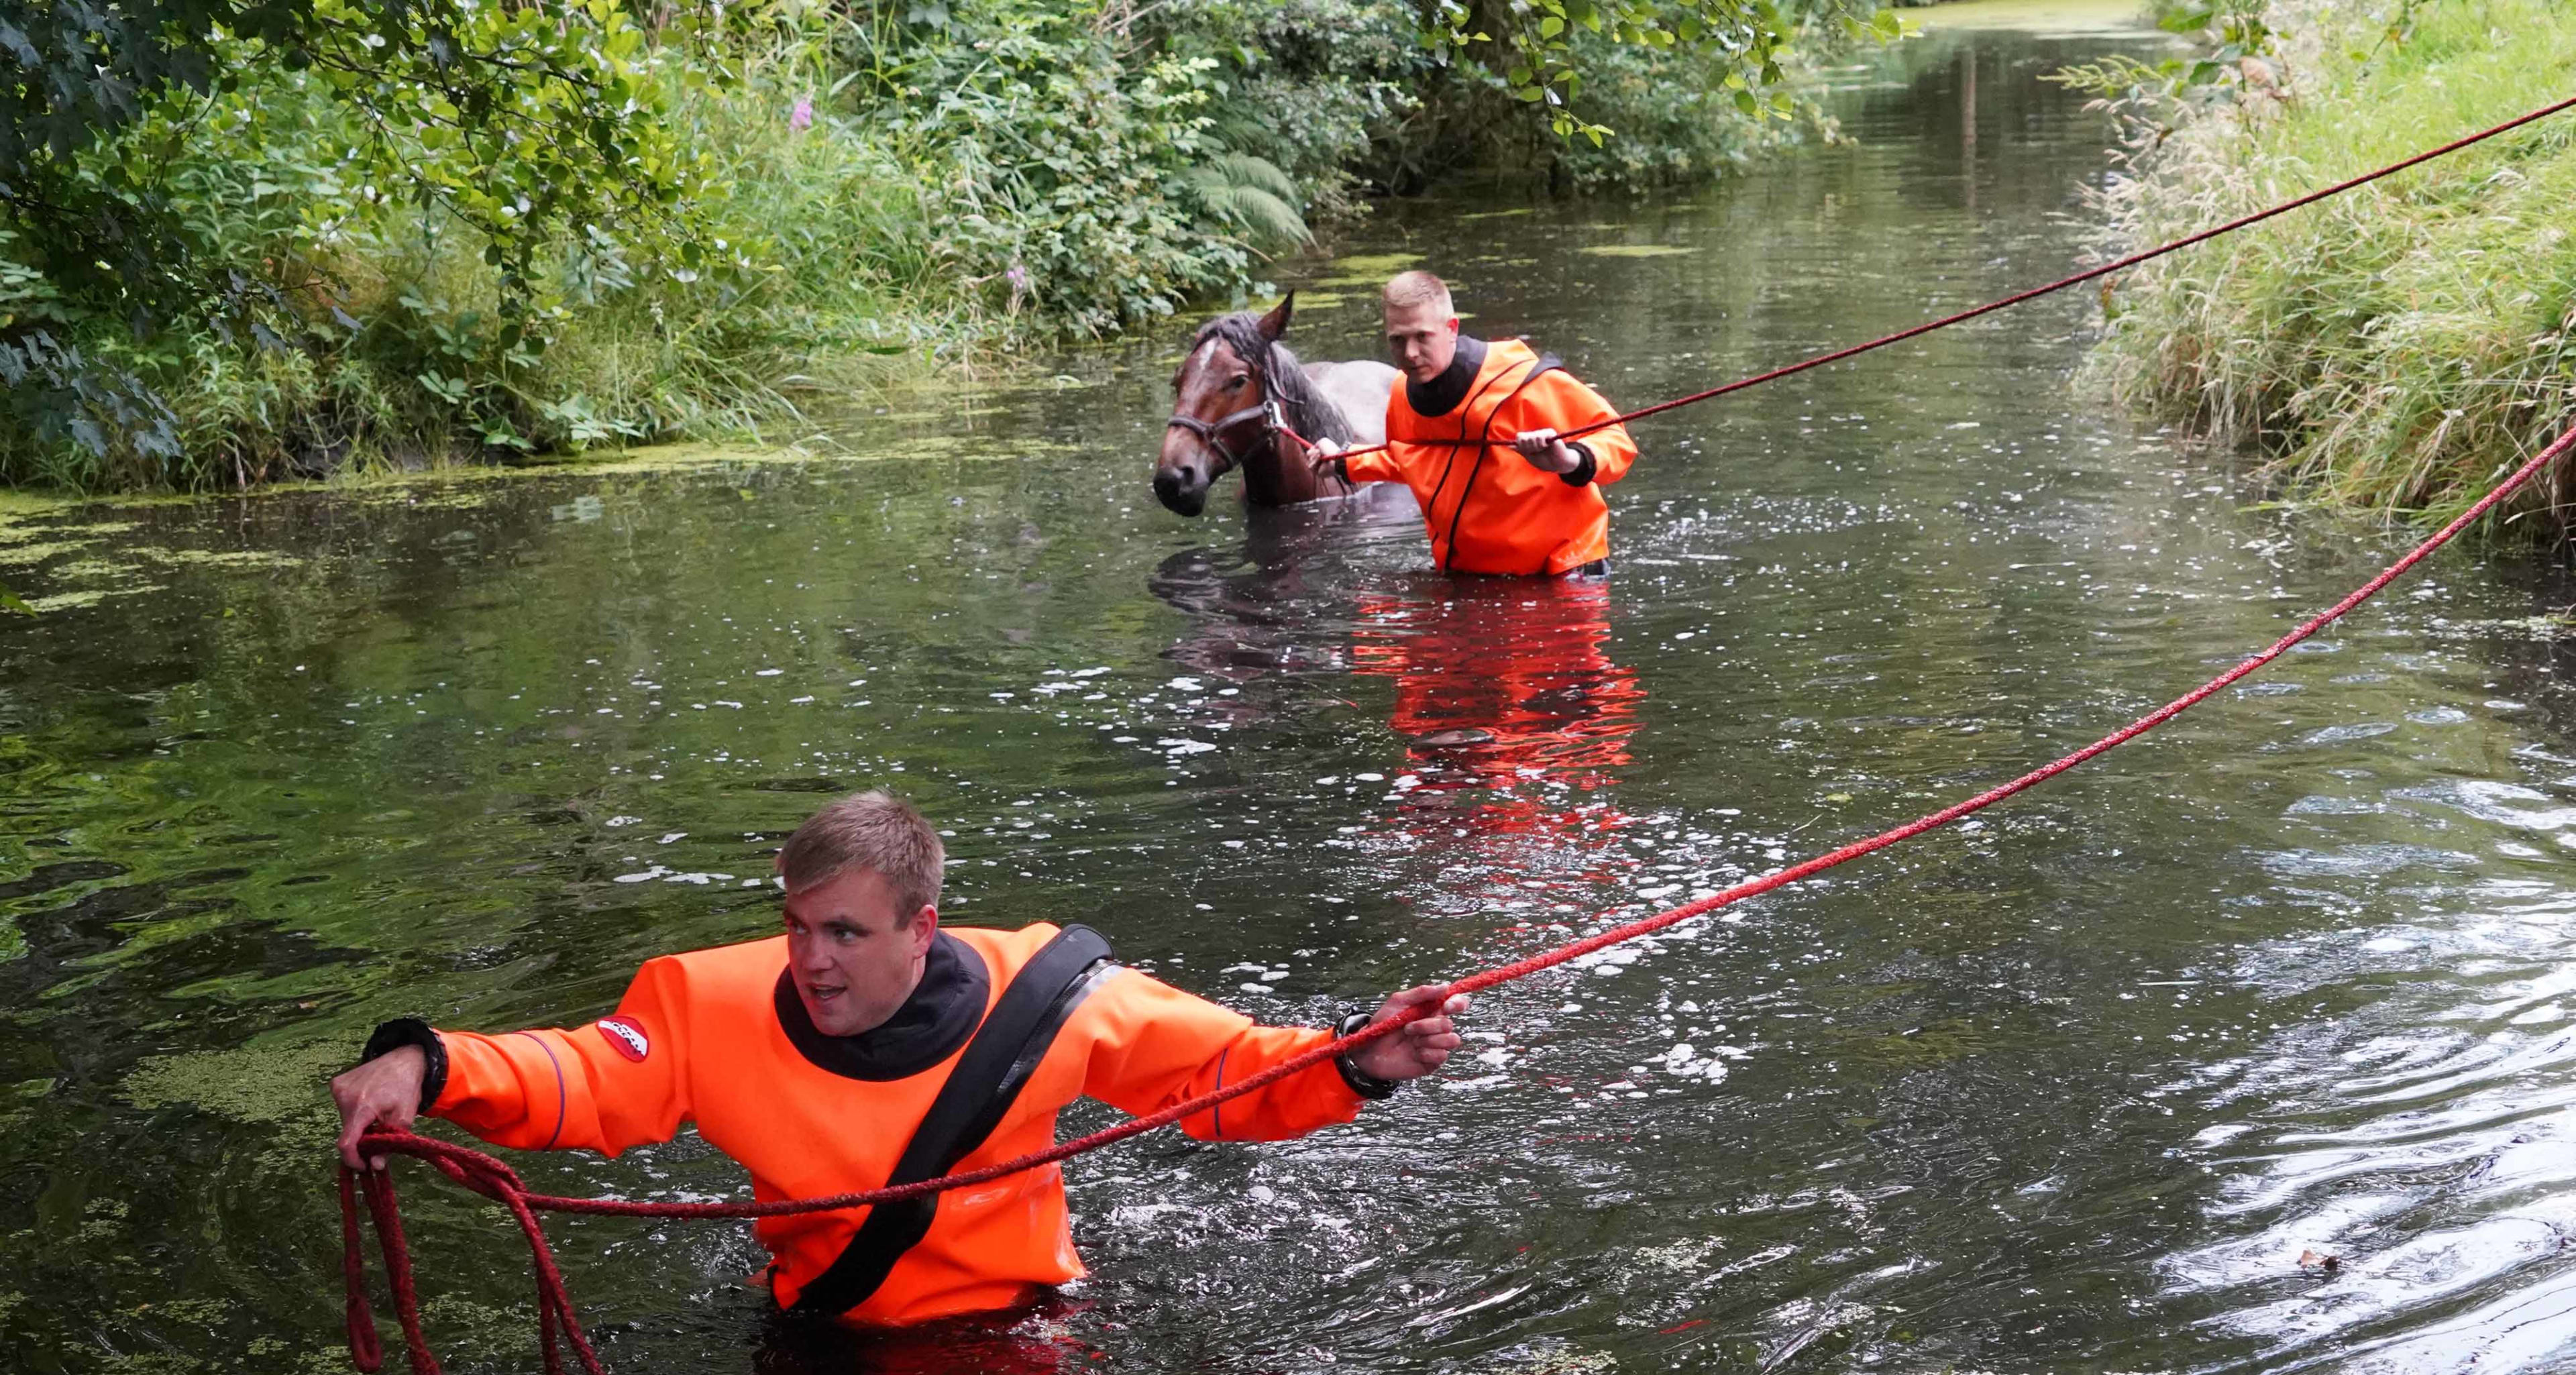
[1237, 383]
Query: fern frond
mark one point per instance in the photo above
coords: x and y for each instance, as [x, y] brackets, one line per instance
[1250, 196]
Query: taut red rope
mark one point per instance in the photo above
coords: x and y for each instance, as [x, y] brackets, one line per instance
[556, 1324]
[2078, 279]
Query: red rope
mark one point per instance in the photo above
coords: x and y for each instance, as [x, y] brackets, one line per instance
[2017, 298]
[556, 1323]
[489, 1177]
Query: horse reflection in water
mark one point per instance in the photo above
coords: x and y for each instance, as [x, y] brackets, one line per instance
[1271, 608]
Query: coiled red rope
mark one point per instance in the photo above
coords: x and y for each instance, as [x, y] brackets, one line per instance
[557, 1325]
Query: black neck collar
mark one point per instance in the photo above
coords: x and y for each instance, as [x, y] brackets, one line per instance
[943, 1011]
[1450, 387]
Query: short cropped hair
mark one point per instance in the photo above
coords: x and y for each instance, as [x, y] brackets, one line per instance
[1418, 288]
[875, 831]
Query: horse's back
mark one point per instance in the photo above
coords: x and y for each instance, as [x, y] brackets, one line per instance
[1360, 388]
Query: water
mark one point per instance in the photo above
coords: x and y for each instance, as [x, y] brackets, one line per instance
[2071, 1087]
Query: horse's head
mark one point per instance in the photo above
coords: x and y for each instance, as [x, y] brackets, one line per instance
[1220, 405]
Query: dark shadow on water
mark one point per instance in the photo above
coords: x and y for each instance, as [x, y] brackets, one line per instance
[1033, 1340]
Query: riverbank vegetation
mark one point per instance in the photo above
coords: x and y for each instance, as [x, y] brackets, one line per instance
[282, 237]
[2401, 346]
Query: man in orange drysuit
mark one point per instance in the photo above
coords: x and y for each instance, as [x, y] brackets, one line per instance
[1477, 431]
[869, 1045]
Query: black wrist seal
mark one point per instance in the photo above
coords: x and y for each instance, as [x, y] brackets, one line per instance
[1361, 1082]
[412, 1031]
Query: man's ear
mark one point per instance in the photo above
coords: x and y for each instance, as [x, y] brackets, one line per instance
[925, 928]
[1274, 325]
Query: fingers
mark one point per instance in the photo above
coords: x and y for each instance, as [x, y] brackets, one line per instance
[354, 1121]
[397, 1118]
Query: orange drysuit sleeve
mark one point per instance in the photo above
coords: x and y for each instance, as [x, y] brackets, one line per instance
[1153, 1045]
[1373, 467]
[586, 1087]
[1557, 398]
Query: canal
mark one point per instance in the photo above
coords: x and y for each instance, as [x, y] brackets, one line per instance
[2074, 1086]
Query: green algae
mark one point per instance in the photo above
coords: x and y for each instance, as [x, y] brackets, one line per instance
[1367, 269]
[92, 596]
[281, 1084]
[22, 555]
[2044, 18]
[221, 558]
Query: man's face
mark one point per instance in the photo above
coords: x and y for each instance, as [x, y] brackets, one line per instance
[852, 960]
[1421, 339]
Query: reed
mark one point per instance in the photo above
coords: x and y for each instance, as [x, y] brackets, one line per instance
[2399, 347]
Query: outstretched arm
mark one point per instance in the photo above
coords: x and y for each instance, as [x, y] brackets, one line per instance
[1376, 465]
[1153, 1046]
[615, 1083]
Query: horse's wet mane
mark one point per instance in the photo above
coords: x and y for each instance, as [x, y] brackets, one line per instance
[1309, 412]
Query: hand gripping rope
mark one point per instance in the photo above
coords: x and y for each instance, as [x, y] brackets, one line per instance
[558, 1327]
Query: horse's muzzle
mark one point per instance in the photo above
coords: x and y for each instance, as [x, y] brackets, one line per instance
[1183, 491]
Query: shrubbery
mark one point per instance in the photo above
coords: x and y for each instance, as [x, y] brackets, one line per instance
[362, 247]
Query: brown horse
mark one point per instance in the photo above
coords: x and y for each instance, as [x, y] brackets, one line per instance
[1237, 395]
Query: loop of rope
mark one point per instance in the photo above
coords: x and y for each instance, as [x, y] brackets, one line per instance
[558, 1326]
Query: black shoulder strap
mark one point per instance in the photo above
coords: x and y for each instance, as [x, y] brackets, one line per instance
[990, 1072]
[1545, 362]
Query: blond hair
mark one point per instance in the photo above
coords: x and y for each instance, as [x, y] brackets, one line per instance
[875, 831]
[1406, 289]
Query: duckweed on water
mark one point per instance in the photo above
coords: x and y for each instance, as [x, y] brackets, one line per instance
[1368, 269]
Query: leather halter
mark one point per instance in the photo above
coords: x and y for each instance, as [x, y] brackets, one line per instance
[1212, 434]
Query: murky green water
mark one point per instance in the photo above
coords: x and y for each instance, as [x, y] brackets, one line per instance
[2070, 1088]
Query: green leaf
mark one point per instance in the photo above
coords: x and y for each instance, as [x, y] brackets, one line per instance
[10, 602]
[1550, 27]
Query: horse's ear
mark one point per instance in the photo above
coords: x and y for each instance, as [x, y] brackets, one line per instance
[1274, 325]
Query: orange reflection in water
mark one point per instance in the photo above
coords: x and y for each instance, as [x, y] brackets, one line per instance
[1512, 711]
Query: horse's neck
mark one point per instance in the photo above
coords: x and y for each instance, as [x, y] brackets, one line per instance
[1273, 476]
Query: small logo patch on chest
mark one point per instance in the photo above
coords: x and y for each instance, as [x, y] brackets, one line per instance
[626, 1036]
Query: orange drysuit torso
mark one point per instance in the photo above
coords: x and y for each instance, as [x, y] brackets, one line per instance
[1488, 510]
[699, 1038]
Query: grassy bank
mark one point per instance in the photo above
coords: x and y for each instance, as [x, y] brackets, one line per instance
[2399, 347]
[842, 191]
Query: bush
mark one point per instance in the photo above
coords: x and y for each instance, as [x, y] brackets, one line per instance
[375, 275]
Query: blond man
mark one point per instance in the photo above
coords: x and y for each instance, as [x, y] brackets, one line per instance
[869, 1044]
[1478, 431]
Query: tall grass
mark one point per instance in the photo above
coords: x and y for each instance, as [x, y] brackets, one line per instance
[2399, 347]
